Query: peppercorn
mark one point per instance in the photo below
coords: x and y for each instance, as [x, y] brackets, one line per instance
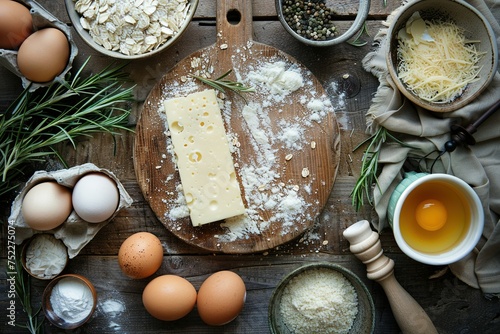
[311, 19]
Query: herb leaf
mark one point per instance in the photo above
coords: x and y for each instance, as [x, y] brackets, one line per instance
[369, 167]
[356, 40]
[221, 85]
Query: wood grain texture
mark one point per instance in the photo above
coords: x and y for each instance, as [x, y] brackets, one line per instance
[452, 306]
[235, 50]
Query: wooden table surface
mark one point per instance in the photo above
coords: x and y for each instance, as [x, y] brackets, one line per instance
[453, 306]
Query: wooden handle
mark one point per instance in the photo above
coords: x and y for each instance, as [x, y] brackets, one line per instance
[365, 244]
[234, 22]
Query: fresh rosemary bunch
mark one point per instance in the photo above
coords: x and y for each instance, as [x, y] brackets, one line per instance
[222, 84]
[36, 121]
[369, 167]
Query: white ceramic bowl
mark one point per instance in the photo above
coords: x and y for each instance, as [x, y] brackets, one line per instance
[84, 34]
[463, 246]
[476, 28]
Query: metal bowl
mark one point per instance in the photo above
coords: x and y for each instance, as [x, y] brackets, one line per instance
[85, 35]
[476, 28]
[365, 318]
[363, 9]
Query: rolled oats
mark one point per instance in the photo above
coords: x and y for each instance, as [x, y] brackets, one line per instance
[132, 27]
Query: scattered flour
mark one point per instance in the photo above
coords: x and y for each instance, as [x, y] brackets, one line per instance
[292, 136]
[112, 308]
[260, 178]
[279, 80]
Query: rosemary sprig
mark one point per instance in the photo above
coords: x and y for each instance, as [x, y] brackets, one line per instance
[35, 122]
[23, 290]
[221, 85]
[369, 166]
[356, 41]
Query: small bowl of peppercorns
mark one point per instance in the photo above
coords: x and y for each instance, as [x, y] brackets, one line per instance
[312, 21]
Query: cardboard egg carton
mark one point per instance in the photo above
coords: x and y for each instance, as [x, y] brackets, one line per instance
[41, 19]
[75, 232]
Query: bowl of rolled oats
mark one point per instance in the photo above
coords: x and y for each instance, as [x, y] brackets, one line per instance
[130, 29]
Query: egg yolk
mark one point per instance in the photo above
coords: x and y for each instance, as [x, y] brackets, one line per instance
[431, 214]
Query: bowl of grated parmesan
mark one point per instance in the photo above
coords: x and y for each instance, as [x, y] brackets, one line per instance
[441, 54]
[321, 298]
[130, 29]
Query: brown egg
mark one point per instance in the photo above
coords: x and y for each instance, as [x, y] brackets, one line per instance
[140, 255]
[221, 298]
[15, 24]
[46, 205]
[43, 55]
[169, 297]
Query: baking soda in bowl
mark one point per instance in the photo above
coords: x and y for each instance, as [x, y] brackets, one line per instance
[69, 301]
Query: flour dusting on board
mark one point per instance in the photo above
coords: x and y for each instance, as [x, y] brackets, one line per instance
[261, 182]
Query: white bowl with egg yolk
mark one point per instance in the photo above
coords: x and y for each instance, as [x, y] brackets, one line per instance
[436, 219]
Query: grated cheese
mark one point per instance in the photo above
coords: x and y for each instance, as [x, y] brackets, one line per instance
[436, 62]
[319, 301]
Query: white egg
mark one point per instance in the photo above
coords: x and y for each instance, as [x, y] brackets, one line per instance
[95, 197]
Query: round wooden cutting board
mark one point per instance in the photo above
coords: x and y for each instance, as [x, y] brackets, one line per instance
[285, 181]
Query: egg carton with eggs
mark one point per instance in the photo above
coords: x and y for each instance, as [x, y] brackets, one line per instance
[41, 19]
[74, 232]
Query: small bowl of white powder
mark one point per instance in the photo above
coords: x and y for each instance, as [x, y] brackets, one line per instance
[69, 301]
[321, 298]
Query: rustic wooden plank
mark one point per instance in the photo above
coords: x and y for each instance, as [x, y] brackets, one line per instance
[444, 295]
[262, 9]
[453, 306]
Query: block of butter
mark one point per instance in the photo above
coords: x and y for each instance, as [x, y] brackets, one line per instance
[204, 160]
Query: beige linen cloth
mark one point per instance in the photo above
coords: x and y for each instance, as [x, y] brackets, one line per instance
[478, 165]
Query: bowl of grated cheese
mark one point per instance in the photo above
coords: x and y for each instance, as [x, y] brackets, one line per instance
[130, 29]
[441, 54]
[321, 298]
